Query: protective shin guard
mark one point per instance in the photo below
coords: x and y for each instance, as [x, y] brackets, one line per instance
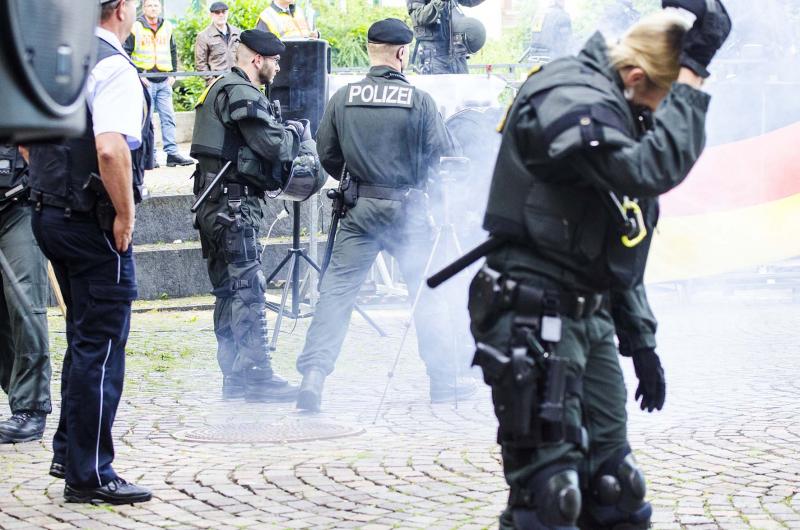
[615, 500]
[552, 500]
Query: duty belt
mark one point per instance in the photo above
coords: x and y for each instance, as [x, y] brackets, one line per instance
[372, 191]
[528, 299]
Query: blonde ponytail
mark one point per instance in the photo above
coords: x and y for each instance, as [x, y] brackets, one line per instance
[654, 45]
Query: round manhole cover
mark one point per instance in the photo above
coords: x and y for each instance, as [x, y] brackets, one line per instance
[287, 430]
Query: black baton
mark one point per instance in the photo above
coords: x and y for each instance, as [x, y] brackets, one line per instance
[464, 261]
[206, 192]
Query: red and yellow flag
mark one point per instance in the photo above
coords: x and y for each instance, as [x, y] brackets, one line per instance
[739, 208]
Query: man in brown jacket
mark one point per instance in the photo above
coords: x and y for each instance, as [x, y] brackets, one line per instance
[216, 45]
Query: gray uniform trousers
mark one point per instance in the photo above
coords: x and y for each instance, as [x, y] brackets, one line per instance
[371, 226]
[24, 348]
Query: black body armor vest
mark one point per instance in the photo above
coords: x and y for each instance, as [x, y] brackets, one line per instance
[439, 31]
[60, 172]
[539, 201]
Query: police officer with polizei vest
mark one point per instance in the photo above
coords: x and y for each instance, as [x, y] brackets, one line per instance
[84, 192]
[235, 122]
[386, 208]
[24, 349]
[444, 35]
[589, 144]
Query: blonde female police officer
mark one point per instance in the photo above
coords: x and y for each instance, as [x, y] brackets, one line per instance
[574, 199]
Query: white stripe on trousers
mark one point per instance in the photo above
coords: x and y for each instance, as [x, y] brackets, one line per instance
[103, 376]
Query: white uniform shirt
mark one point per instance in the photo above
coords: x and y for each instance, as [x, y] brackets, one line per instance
[115, 96]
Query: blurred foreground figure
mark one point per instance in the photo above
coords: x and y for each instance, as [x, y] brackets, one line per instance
[24, 348]
[84, 192]
[236, 123]
[588, 145]
[386, 207]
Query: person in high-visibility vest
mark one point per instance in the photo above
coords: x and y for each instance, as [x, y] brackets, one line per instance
[152, 48]
[283, 19]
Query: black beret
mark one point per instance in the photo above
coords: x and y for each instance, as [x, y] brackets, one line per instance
[390, 31]
[218, 6]
[262, 42]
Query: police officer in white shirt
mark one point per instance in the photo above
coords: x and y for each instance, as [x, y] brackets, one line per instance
[84, 191]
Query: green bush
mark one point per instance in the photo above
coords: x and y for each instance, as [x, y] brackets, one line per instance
[243, 14]
[186, 92]
[347, 32]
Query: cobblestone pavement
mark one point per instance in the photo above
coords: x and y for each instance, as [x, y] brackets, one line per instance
[723, 454]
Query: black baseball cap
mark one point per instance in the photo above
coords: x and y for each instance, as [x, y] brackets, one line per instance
[390, 31]
[262, 42]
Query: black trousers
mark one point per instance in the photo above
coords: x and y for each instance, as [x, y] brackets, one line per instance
[24, 347]
[98, 284]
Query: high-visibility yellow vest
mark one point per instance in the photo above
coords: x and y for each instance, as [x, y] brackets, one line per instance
[284, 25]
[152, 49]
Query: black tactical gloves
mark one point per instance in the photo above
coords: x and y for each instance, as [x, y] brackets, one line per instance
[302, 131]
[706, 36]
[652, 385]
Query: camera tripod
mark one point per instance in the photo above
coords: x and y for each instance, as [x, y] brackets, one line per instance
[446, 238]
[293, 258]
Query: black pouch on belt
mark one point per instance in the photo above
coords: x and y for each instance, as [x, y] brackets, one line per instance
[484, 298]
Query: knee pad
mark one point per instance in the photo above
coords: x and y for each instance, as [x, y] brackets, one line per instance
[616, 495]
[551, 501]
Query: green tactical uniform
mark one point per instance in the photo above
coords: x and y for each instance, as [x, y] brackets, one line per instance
[24, 349]
[236, 122]
[569, 140]
[390, 173]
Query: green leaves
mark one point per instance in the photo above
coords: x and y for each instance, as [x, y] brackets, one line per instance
[346, 31]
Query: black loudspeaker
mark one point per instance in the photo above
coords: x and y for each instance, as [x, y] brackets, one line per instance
[302, 84]
[47, 49]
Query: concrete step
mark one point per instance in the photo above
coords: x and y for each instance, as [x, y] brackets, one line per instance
[179, 270]
[167, 218]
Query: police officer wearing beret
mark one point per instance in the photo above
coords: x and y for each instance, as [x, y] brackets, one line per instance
[388, 174]
[589, 144]
[84, 192]
[440, 48]
[235, 122]
[24, 349]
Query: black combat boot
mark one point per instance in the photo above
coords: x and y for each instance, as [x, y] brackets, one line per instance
[118, 491]
[263, 385]
[57, 469]
[310, 396]
[448, 389]
[23, 426]
[233, 386]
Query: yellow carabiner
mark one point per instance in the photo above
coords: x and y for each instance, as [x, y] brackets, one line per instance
[632, 207]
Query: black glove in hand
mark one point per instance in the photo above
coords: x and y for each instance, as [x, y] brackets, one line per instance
[297, 127]
[706, 36]
[652, 385]
[696, 7]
